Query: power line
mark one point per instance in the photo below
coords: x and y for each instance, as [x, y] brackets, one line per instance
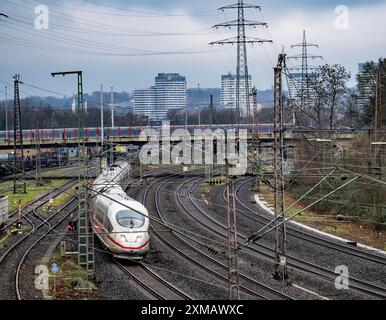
[153, 14]
[132, 33]
[83, 21]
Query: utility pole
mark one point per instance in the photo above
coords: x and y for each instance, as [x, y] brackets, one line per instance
[300, 85]
[233, 266]
[85, 235]
[102, 119]
[377, 126]
[280, 272]
[38, 157]
[211, 111]
[198, 107]
[112, 108]
[242, 75]
[378, 103]
[370, 153]
[209, 168]
[18, 150]
[6, 113]
[255, 144]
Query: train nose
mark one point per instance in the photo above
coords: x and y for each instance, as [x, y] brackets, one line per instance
[130, 238]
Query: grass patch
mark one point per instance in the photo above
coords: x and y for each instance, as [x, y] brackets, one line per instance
[56, 203]
[358, 231]
[33, 192]
[63, 283]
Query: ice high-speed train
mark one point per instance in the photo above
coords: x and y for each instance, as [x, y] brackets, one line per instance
[120, 222]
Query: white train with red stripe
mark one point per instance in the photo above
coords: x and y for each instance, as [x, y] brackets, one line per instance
[120, 222]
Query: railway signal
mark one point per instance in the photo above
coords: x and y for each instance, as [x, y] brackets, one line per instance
[71, 226]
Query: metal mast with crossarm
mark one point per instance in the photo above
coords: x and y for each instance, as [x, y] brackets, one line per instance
[209, 167]
[85, 235]
[242, 75]
[256, 144]
[19, 186]
[233, 265]
[280, 272]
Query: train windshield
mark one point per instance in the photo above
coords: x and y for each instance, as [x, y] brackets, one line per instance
[130, 219]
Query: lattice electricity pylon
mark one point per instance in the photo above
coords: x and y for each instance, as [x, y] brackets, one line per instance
[280, 272]
[300, 90]
[85, 235]
[242, 75]
[19, 185]
[233, 265]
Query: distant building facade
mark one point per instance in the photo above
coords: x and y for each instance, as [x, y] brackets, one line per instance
[145, 102]
[169, 93]
[228, 92]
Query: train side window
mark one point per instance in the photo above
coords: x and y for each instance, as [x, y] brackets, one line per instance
[100, 215]
[108, 226]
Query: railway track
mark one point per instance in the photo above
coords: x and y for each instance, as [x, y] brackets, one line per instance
[152, 283]
[13, 258]
[214, 268]
[70, 207]
[260, 249]
[303, 235]
[39, 202]
[273, 293]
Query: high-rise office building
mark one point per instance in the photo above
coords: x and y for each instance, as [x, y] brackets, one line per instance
[144, 102]
[169, 93]
[228, 92]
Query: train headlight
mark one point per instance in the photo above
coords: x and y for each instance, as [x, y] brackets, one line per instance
[123, 237]
[139, 239]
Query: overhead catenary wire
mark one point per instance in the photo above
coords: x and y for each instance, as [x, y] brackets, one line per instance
[260, 234]
[80, 45]
[184, 232]
[80, 20]
[132, 33]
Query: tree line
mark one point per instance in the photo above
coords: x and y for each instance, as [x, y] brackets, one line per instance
[332, 105]
[48, 117]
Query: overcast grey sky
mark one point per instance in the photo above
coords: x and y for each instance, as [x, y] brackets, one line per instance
[102, 38]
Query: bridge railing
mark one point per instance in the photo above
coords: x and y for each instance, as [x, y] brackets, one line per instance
[69, 135]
